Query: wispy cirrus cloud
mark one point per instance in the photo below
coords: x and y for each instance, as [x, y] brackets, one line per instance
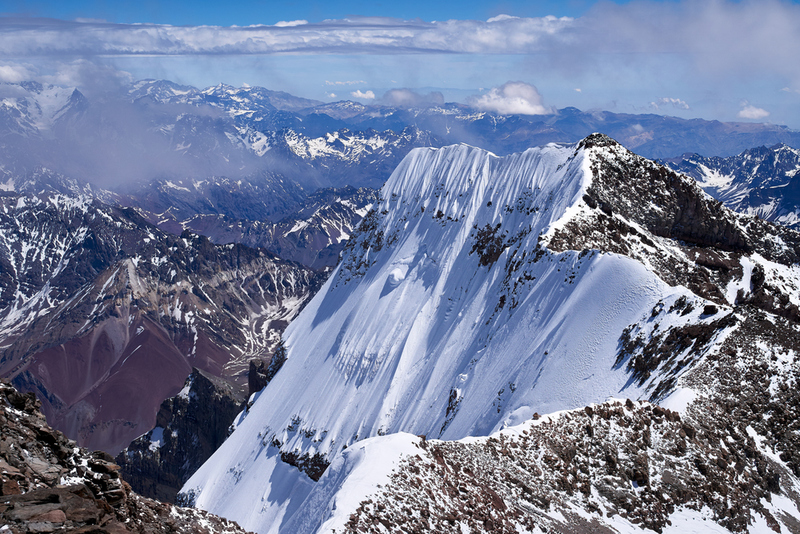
[347, 82]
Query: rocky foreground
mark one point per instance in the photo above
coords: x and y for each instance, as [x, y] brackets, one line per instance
[48, 484]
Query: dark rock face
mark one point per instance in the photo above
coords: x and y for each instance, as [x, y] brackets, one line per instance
[256, 376]
[189, 428]
[47, 484]
[648, 212]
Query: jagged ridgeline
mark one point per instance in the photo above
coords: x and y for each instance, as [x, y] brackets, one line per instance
[104, 315]
[482, 291]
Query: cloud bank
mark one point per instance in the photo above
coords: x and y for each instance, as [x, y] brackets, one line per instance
[715, 35]
[719, 46]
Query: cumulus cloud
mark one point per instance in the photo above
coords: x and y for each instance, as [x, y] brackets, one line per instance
[409, 98]
[670, 102]
[511, 98]
[368, 95]
[330, 95]
[751, 112]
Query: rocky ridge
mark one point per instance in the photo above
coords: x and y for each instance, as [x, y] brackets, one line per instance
[48, 484]
[685, 237]
[616, 465]
[189, 428]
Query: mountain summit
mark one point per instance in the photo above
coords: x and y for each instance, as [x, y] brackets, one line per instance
[483, 291]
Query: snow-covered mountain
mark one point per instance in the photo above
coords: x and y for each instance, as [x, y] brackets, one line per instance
[484, 290]
[760, 181]
[31, 107]
[97, 306]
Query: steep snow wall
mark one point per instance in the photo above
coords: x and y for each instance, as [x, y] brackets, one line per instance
[445, 318]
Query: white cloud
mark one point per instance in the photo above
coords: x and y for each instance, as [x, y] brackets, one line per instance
[502, 17]
[331, 95]
[578, 90]
[350, 82]
[717, 36]
[790, 90]
[21, 37]
[369, 95]
[752, 112]
[14, 74]
[673, 102]
[511, 98]
[289, 24]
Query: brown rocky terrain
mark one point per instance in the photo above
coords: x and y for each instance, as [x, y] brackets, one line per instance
[104, 315]
[590, 470]
[48, 484]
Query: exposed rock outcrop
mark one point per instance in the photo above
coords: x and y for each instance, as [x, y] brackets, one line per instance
[48, 484]
[189, 428]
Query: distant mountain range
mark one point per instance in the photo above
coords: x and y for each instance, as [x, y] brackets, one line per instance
[760, 181]
[160, 130]
[104, 315]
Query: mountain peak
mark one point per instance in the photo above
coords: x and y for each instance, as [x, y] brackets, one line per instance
[598, 140]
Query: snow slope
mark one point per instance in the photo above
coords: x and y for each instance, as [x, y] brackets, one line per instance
[445, 318]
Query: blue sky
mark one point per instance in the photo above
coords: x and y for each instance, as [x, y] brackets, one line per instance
[711, 59]
[242, 13]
